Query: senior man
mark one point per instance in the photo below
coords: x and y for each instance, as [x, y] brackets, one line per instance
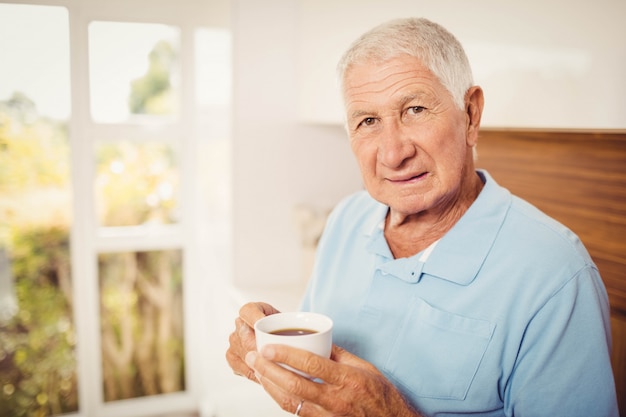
[450, 296]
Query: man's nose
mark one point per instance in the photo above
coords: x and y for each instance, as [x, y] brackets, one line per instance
[395, 145]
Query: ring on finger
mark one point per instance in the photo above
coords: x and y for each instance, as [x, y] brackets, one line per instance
[298, 408]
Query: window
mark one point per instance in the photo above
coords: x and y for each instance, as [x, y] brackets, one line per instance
[134, 70]
[114, 137]
[37, 329]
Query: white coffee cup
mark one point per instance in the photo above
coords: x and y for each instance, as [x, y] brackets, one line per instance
[270, 330]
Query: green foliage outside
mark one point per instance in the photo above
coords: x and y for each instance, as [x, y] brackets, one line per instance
[150, 198]
[37, 372]
[37, 342]
[152, 93]
[37, 362]
[141, 310]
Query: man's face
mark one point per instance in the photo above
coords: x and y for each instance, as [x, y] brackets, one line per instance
[410, 140]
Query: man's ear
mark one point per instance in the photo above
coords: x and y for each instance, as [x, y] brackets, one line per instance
[474, 102]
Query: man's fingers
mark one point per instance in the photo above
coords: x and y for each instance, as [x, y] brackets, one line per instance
[251, 312]
[302, 360]
[246, 336]
[286, 387]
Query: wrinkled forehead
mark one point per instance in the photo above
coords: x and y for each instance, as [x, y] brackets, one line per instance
[373, 58]
[383, 74]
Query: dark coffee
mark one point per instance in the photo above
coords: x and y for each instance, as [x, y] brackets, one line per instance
[293, 332]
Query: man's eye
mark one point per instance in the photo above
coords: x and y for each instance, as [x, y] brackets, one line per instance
[416, 109]
[368, 121]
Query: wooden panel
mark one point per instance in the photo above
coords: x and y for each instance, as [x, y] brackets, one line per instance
[577, 178]
[580, 180]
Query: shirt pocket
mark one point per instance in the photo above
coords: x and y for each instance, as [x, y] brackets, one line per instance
[437, 353]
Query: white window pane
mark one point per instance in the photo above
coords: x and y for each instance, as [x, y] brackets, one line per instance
[37, 334]
[136, 184]
[34, 41]
[133, 71]
[142, 323]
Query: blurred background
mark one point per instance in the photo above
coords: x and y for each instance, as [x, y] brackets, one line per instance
[163, 162]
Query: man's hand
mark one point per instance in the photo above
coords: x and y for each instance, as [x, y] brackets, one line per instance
[242, 339]
[351, 386]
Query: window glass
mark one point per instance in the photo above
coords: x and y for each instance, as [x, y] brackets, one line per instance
[133, 71]
[136, 183]
[37, 336]
[141, 323]
[130, 290]
[34, 41]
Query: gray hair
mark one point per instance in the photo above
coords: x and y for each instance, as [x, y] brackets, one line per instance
[427, 41]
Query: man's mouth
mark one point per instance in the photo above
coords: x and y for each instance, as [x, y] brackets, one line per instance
[407, 178]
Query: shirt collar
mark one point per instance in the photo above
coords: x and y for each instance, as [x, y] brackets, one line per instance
[468, 242]
[472, 237]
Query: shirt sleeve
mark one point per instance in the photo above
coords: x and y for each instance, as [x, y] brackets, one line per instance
[564, 366]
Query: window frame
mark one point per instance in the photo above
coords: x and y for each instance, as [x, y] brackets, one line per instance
[88, 239]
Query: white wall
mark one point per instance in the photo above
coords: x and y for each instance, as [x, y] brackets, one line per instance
[542, 64]
[278, 161]
[557, 63]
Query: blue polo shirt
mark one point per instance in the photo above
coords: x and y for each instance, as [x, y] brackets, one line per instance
[506, 316]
